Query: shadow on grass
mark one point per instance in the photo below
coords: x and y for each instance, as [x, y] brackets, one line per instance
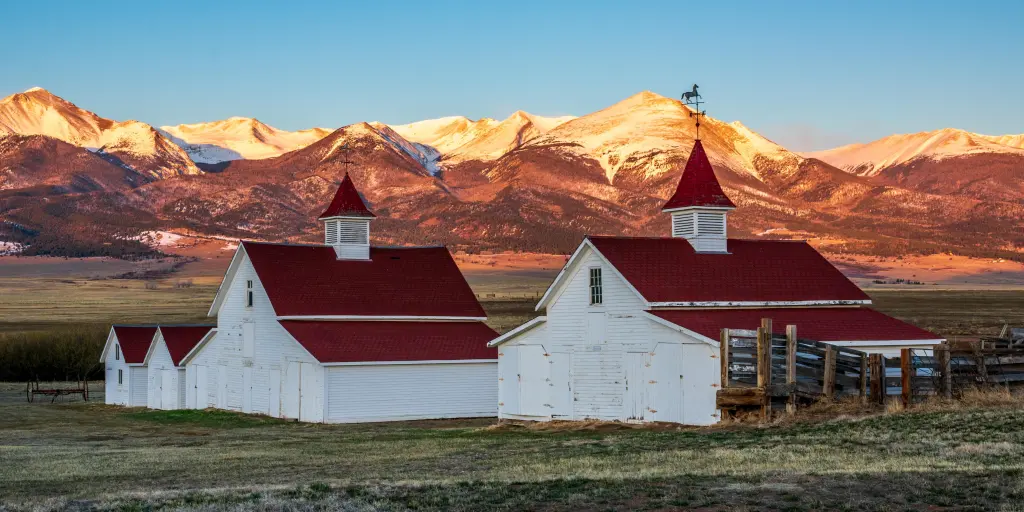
[205, 418]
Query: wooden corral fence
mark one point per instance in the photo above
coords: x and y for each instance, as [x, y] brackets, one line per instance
[774, 372]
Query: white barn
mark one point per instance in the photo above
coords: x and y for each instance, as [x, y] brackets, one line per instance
[631, 326]
[345, 332]
[167, 382]
[123, 358]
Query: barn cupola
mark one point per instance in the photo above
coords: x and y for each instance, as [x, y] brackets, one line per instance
[699, 206]
[347, 223]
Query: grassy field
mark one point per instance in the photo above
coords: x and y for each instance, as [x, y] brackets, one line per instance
[39, 303]
[80, 456]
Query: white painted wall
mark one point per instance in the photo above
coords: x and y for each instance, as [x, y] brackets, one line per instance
[363, 393]
[166, 382]
[224, 364]
[115, 393]
[607, 361]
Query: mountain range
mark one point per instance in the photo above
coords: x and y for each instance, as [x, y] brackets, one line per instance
[74, 183]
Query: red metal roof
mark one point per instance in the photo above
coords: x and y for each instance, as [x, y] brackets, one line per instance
[304, 280]
[181, 339]
[347, 202]
[352, 342]
[670, 270]
[698, 185]
[134, 341]
[820, 324]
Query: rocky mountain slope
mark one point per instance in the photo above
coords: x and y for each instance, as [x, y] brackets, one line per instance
[524, 183]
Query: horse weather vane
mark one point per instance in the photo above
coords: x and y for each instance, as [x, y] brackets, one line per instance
[692, 98]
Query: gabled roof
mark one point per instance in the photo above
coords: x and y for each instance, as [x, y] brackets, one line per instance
[310, 280]
[372, 341]
[347, 202]
[181, 339]
[820, 324]
[669, 270]
[135, 341]
[698, 185]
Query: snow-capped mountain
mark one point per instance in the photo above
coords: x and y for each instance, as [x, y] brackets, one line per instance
[872, 158]
[459, 138]
[238, 138]
[137, 145]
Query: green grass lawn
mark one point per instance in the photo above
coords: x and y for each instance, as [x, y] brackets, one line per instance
[78, 455]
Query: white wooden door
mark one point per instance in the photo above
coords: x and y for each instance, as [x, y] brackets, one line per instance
[222, 387]
[667, 363]
[508, 390]
[635, 403]
[202, 389]
[247, 389]
[561, 385]
[595, 328]
[308, 410]
[274, 402]
[168, 388]
[290, 393]
[534, 391]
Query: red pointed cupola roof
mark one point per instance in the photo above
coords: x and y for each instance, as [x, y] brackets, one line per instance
[347, 202]
[698, 185]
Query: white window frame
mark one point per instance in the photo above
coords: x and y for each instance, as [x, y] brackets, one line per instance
[249, 297]
[595, 289]
[117, 352]
[120, 377]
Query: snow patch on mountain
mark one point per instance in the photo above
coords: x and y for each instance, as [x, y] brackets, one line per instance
[872, 158]
[237, 138]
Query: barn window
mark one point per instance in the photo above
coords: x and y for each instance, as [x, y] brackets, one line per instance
[248, 293]
[596, 292]
[117, 352]
[120, 377]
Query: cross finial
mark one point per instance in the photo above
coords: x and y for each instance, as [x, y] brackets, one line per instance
[692, 98]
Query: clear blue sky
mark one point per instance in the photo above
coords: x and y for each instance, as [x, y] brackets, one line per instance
[806, 74]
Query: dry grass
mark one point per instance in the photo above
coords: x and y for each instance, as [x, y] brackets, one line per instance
[77, 455]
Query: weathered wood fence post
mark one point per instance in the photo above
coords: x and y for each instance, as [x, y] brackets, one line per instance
[906, 372]
[828, 386]
[863, 377]
[877, 364]
[724, 354]
[791, 368]
[942, 355]
[764, 366]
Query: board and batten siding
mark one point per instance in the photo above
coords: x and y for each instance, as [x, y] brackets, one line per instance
[272, 350]
[383, 392]
[160, 364]
[116, 393]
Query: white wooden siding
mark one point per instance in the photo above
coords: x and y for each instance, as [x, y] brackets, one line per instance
[273, 348]
[160, 362]
[116, 394]
[411, 391]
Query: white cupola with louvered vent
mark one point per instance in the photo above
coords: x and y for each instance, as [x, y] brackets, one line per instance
[347, 223]
[699, 206]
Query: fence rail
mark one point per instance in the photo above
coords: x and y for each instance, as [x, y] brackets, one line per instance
[772, 371]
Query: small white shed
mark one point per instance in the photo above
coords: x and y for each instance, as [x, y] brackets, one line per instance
[124, 361]
[164, 362]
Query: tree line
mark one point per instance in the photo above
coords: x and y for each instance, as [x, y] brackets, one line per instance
[68, 354]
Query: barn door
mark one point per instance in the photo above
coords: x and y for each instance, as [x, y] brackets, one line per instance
[290, 393]
[667, 363]
[153, 390]
[168, 388]
[508, 386]
[561, 385]
[247, 389]
[308, 393]
[635, 402]
[274, 402]
[534, 391]
[595, 328]
[202, 389]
